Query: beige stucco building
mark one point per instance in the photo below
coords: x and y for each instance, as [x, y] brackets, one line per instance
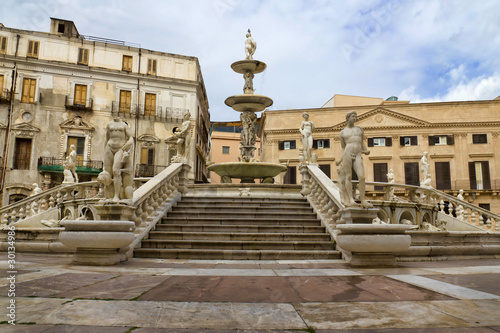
[462, 139]
[62, 88]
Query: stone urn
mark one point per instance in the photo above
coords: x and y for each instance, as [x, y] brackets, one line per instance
[97, 243]
[370, 245]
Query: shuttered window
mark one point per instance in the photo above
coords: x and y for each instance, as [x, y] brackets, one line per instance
[152, 66]
[322, 143]
[479, 138]
[380, 174]
[3, 45]
[412, 176]
[80, 94]
[479, 175]
[125, 100]
[147, 156]
[79, 143]
[443, 175]
[290, 175]
[29, 91]
[441, 140]
[150, 105]
[408, 141]
[326, 169]
[285, 145]
[380, 142]
[22, 157]
[127, 63]
[83, 56]
[33, 48]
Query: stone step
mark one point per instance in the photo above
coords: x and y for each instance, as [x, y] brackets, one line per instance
[245, 228]
[246, 200]
[239, 236]
[242, 209]
[210, 254]
[237, 245]
[244, 214]
[230, 220]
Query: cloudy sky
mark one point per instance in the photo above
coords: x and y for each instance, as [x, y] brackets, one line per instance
[421, 50]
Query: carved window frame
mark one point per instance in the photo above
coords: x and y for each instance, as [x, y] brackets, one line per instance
[70, 128]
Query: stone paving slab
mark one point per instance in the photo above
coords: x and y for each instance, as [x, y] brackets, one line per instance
[476, 312]
[482, 282]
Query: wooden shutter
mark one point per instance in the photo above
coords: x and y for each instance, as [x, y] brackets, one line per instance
[150, 104]
[472, 176]
[412, 176]
[326, 143]
[292, 145]
[290, 175]
[443, 176]
[315, 144]
[80, 94]
[450, 139]
[413, 140]
[486, 175]
[401, 140]
[29, 91]
[326, 169]
[431, 140]
[22, 156]
[152, 66]
[370, 142]
[3, 45]
[388, 141]
[127, 63]
[33, 49]
[147, 156]
[281, 145]
[379, 174]
[83, 56]
[1, 84]
[125, 98]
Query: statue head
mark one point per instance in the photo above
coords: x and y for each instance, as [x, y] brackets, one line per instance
[350, 113]
[72, 147]
[305, 115]
[187, 115]
[249, 34]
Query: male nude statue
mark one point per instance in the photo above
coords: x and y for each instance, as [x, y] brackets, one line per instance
[306, 129]
[352, 147]
[71, 160]
[117, 158]
[183, 136]
[250, 46]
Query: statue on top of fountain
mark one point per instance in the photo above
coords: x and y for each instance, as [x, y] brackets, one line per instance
[352, 148]
[250, 46]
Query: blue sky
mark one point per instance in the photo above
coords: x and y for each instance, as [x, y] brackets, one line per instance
[427, 50]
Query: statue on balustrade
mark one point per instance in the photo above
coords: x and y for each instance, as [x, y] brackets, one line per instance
[424, 167]
[352, 147]
[306, 129]
[71, 162]
[117, 176]
[183, 135]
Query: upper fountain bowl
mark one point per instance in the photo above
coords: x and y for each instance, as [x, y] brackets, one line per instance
[244, 66]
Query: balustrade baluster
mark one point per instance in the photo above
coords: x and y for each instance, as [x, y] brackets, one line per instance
[21, 213]
[5, 218]
[473, 217]
[52, 201]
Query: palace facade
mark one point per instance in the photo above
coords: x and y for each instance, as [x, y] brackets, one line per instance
[62, 88]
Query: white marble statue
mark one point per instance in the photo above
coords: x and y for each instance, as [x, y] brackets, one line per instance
[68, 176]
[460, 195]
[306, 129]
[118, 161]
[391, 180]
[71, 162]
[248, 87]
[424, 168]
[352, 147]
[36, 189]
[183, 135]
[250, 46]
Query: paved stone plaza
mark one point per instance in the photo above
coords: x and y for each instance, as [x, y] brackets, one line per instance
[159, 295]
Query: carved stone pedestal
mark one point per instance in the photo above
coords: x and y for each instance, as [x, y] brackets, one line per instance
[97, 243]
[113, 211]
[358, 215]
[372, 245]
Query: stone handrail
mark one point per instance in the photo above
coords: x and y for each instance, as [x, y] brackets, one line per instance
[153, 199]
[54, 197]
[325, 196]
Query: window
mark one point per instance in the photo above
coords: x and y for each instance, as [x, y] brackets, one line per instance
[485, 206]
[380, 142]
[80, 95]
[147, 156]
[29, 91]
[152, 66]
[83, 56]
[326, 169]
[225, 149]
[443, 179]
[380, 174]
[150, 105]
[1, 85]
[33, 49]
[479, 175]
[285, 145]
[60, 28]
[127, 63]
[22, 157]
[412, 176]
[408, 140]
[320, 144]
[125, 99]
[441, 140]
[290, 175]
[479, 138]
[3, 45]
[79, 143]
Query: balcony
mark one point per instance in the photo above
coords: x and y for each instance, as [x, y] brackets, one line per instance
[5, 96]
[78, 105]
[144, 170]
[52, 164]
[124, 110]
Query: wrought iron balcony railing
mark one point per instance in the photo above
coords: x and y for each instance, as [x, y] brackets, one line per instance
[4, 96]
[78, 104]
[144, 170]
[52, 164]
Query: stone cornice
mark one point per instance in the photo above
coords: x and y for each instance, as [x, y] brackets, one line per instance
[481, 155]
[410, 157]
[375, 158]
[442, 155]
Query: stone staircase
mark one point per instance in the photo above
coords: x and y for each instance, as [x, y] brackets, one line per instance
[239, 228]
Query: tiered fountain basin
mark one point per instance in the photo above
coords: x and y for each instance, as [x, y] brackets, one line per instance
[244, 66]
[248, 102]
[247, 171]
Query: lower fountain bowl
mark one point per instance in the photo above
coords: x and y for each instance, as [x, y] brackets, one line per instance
[247, 170]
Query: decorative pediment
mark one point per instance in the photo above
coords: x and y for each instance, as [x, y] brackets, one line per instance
[76, 123]
[25, 130]
[381, 117]
[148, 138]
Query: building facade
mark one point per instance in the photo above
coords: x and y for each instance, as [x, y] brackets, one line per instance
[62, 88]
[461, 138]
